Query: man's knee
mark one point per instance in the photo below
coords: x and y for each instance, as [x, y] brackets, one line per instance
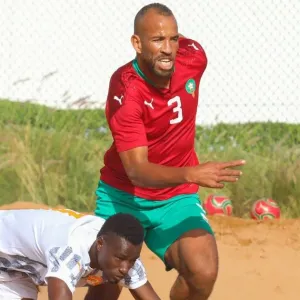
[196, 285]
[200, 270]
[202, 278]
[195, 257]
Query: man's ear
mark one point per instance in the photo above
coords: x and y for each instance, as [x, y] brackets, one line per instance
[100, 243]
[136, 43]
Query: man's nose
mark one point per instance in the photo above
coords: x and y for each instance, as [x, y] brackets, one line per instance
[124, 268]
[166, 47]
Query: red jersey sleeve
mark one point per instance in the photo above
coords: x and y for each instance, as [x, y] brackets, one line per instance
[126, 122]
[191, 54]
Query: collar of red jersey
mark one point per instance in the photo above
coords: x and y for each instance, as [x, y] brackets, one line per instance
[140, 72]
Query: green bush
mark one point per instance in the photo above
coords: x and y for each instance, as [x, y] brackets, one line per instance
[54, 156]
[18, 113]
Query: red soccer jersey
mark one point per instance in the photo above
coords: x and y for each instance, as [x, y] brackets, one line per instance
[139, 114]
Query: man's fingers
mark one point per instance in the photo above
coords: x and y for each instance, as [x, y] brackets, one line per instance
[218, 186]
[229, 172]
[227, 179]
[234, 163]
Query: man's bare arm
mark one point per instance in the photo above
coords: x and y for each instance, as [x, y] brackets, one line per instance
[145, 292]
[58, 290]
[143, 173]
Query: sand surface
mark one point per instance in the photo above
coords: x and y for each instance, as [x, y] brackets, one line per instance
[258, 261]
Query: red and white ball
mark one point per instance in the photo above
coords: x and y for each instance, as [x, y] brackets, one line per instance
[264, 209]
[218, 205]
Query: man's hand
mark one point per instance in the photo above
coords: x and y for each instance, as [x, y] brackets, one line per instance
[105, 291]
[212, 174]
[110, 291]
[144, 292]
[58, 290]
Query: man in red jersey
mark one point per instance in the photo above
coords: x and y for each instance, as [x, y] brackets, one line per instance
[151, 170]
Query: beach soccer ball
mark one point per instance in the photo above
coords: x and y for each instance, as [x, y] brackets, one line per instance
[264, 209]
[218, 205]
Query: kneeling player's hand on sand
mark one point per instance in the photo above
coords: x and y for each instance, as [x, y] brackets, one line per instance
[213, 174]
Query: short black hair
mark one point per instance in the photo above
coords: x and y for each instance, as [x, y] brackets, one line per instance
[158, 7]
[125, 226]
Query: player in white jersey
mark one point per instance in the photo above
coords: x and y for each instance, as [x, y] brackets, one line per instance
[68, 250]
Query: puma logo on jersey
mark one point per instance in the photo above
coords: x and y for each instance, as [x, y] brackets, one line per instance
[149, 103]
[194, 46]
[118, 99]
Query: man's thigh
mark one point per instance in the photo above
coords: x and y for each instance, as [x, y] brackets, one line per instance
[182, 214]
[18, 289]
[164, 221]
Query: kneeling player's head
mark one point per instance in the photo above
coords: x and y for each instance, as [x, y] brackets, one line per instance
[118, 245]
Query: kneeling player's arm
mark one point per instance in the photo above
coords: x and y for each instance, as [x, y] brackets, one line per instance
[145, 292]
[64, 270]
[58, 289]
[137, 283]
[143, 173]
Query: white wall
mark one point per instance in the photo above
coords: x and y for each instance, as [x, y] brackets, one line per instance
[56, 52]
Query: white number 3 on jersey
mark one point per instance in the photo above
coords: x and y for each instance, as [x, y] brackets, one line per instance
[177, 109]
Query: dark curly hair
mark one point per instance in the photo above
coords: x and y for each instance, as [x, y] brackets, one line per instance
[125, 226]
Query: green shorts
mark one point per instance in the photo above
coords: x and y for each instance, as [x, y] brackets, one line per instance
[163, 221]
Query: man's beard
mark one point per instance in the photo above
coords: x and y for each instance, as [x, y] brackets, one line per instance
[164, 74]
[161, 73]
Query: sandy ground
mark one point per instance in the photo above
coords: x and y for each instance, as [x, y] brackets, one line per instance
[257, 261]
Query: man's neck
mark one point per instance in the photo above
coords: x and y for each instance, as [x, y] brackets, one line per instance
[93, 256]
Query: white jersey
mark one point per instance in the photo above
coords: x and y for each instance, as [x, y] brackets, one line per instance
[47, 243]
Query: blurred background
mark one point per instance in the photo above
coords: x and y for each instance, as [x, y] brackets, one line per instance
[56, 59]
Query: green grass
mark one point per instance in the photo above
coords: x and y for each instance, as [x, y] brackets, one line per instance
[53, 157]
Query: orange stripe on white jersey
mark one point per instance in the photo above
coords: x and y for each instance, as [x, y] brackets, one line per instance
[70, 212]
